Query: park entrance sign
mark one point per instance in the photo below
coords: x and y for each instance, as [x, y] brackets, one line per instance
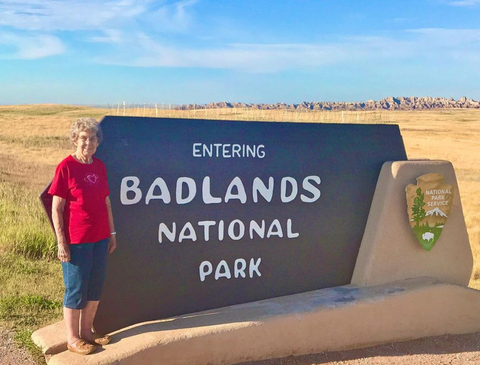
[214, 213]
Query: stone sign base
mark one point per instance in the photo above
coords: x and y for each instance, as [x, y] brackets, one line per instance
[398, 292]
[332, 319]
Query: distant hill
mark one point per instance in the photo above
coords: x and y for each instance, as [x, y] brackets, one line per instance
[389, 103]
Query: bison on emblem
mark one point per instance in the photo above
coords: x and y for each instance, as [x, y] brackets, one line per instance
[429, 204]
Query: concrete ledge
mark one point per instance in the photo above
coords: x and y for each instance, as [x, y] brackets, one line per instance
[51, 339]
[323, 320]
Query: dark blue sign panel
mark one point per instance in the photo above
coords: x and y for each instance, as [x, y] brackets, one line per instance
[214, 213]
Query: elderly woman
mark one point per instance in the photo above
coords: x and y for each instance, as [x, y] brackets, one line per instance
[83, 221]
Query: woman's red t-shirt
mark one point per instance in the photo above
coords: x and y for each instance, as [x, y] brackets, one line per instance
[84, 187]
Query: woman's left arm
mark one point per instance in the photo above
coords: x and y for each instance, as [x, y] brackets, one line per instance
[112, 244]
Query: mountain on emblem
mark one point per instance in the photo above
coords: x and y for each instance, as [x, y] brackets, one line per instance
[436, 212]
[429, 204]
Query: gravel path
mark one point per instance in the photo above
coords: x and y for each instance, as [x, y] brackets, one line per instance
[10, 354]
[440, 350]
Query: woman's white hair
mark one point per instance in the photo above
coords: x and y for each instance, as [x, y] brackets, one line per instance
[85, 125]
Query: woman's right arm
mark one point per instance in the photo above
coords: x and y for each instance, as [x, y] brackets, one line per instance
[58, 206]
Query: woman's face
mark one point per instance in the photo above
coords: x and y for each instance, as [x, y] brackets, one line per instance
[87, 143]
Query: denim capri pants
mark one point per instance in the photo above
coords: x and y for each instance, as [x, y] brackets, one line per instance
[84, 274]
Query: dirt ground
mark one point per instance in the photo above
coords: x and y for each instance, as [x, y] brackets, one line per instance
[10, 354]
[448, 349]
[439, 350]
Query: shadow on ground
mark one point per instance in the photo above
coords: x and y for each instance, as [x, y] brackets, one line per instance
[438, 345]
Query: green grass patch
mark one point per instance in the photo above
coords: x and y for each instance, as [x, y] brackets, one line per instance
[31, 242]
[31, 294]
[31, 286]
[24, 226]
[27, 309]
[28, 283]
[23, 338]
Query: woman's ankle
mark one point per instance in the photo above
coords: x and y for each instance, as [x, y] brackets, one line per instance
[72, 340]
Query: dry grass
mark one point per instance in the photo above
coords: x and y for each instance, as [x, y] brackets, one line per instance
[279, 115]
[33, 139]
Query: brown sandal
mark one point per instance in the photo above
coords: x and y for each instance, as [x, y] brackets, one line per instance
[81, 347]
[101, 340]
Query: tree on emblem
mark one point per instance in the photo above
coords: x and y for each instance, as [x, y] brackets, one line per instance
[417, 209]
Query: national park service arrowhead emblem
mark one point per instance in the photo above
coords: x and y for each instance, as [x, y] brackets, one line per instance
[429, 204]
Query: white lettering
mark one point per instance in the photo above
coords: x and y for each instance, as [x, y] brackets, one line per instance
[275, 229]
[124, 189]
[191, 192]
[196, 150]
[253, 267]
[260, 231]
[241, 230]
[228, 150]
[239, 271]
[290, 234]
[438, 191]
[221, 232]
[170, 234]
[164, 193]
[250, 151]
[206, 194]
[222, 270]
[186, 190]
[206, 151]
[259, 187]
[283, 189]
[437, 203]
[205, 269]
[236, 148]
[206, 228]
[235, 230]
[261, 151]
[308, 186]
[191, 235]
[225, 273]
[240, 195]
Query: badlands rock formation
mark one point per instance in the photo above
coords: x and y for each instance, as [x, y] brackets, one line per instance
[390, 103]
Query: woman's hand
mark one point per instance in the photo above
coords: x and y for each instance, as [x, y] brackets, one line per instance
[112, 244]
[58, 207]
[63, 252]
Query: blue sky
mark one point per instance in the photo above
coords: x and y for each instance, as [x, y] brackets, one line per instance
[200, 51]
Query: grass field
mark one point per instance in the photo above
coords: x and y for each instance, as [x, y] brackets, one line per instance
[33, 140]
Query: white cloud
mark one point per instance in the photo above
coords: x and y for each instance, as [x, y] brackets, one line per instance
[109, 36]
[121, 26]
[420, 44]
[176, 17]
[43, 20]
[53, 15]
[452, 43]
[31, 46]
[465, 3]
[146, 52]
